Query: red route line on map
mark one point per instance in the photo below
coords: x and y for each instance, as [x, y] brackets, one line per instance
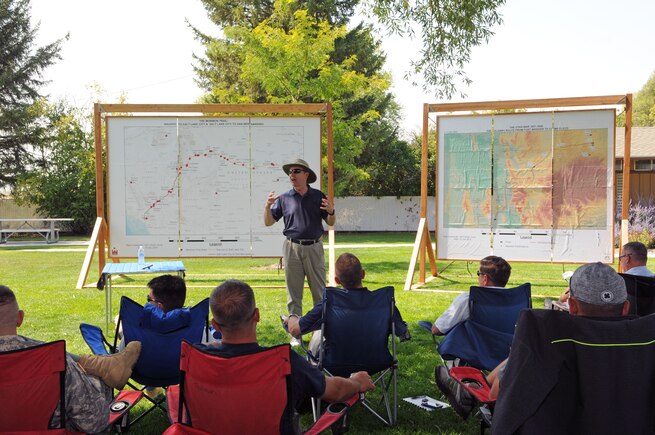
[179, 170]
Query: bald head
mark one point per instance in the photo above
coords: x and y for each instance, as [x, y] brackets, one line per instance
[10, 315]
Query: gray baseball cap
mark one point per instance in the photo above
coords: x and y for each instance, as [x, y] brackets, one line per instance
[598, 284]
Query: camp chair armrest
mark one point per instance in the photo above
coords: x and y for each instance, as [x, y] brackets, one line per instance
[334, 413]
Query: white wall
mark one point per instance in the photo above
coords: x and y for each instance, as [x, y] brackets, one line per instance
[354, 213]
[387, 213]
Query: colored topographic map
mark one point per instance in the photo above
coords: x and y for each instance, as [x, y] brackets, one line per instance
[537, 179]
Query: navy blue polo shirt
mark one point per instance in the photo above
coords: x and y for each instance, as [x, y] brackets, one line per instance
[303, 217]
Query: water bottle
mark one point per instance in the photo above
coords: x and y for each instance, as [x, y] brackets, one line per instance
[141, 256]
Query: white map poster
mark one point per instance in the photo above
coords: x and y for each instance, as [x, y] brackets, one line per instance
[526, 186]
[196, 187]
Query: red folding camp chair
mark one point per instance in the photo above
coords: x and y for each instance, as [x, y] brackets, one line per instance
[474, 381]
[32, 388]
[241, 394]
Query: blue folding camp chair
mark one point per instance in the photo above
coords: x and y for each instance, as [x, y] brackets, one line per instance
[160, 335]
[355, 337]
[484, 339]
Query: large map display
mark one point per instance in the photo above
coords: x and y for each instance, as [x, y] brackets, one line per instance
[196, 187]
[528, 186]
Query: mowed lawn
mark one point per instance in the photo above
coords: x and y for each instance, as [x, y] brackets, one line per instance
[44, 279]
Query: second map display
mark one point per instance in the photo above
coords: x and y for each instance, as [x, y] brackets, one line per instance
[533, 187]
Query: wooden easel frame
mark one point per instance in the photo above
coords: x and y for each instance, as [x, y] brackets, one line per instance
[100, 234]
[422, 243]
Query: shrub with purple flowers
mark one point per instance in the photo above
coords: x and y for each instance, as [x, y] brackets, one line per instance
[641, 223]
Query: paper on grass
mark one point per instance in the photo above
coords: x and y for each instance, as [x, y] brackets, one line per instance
[426, 403]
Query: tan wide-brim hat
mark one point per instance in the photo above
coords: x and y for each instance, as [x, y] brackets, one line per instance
[300, 162]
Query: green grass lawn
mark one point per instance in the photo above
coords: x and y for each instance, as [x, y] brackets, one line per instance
[44, 280]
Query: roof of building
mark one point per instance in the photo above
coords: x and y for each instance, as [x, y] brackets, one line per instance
[642, 142]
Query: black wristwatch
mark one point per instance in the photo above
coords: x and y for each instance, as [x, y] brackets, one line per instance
[334, 210]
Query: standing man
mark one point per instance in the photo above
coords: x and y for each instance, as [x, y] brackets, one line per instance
[303, 209]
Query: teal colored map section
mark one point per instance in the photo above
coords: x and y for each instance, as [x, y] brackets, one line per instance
[467, 179]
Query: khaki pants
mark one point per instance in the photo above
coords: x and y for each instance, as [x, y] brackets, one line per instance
[302, 261]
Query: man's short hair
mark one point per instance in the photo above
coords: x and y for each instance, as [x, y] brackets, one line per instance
[7, 296]
[8, 307]
[497, 269]
[349, 270]
[637, 250]
[232, 304]
[169, 290]
[600, 289]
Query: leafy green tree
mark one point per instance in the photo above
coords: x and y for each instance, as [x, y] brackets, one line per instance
[643, 114]
[21, 68]
[447, 29]
[64, 185]
[277, 71]
[392, 166]
[296, 66]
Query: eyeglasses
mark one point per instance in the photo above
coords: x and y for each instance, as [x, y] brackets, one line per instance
[624, 255]
[480, 273]
[296, 171]
[151, 300]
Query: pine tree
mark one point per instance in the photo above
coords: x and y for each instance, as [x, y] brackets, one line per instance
[21, 68]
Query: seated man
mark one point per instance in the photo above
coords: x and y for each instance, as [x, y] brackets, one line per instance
[167, 293]
[349, 274]
[90, 379]
[597, 291]
[166, 298]
[632, 261]
[236, 316]
[494, 272]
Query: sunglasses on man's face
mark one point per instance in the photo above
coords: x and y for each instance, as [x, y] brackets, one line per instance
[296, 171]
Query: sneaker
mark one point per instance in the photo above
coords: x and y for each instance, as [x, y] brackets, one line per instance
[461, 400]
[295, 342]
[405, 337]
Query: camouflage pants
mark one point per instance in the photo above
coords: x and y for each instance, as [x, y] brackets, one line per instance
[87, 397]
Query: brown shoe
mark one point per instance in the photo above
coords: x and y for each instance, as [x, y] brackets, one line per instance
[114, 370]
